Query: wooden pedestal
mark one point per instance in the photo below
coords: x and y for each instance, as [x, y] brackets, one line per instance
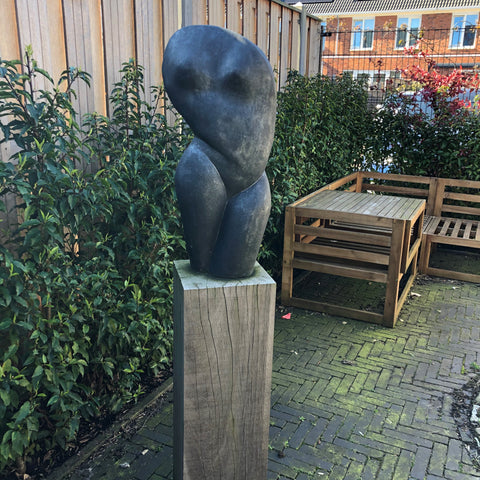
[223, 345]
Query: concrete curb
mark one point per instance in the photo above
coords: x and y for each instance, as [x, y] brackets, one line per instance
[63, 471]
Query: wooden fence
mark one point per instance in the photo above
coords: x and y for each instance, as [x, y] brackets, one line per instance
[99, 35]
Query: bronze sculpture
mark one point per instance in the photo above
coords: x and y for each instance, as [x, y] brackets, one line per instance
[223, 86]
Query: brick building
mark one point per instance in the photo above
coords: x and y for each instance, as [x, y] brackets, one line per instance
[368, 37]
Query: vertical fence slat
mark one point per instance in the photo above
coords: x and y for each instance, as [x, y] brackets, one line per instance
[119, 39]
[9, 50]
[83, 36]
[250, 20]
[313, 46]
[149, 41]
[286, 52]
[199, 12]
[263, 26]
[234, 19]
[275, 38]
[295, 42]
[216, 13]
[40, 25]
[96, 54]
[56, 36]
[172, 19]
[9, 47]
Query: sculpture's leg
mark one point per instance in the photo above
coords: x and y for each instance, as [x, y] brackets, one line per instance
[241, 233]
[202, 198]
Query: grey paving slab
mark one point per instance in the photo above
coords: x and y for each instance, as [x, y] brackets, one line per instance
[350, 400]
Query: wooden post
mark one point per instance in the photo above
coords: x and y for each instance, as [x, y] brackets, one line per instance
[223, 346]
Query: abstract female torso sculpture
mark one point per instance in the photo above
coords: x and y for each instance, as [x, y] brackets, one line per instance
[223, 85]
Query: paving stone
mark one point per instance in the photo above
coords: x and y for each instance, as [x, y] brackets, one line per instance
[420, 465]
[454, 455]
[356, 401]
[404, 465]
[387, 467]
[437, 460]
[298, 437]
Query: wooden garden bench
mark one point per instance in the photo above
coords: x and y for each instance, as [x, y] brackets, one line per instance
[452, 214]
[452, 217]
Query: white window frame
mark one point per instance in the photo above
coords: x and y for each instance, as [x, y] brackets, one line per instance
[459, 32]
[408, 30]
[373, 79]
[362, 31]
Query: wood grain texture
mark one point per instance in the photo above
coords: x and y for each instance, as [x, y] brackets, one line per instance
[199, 12]
[313, 46]
[217, 13]
[118, 38]
[35, 20]
[358, 235]
[222, 375]
[83, 36]
[149, 43]
[250, 20]
[234, 16]
[9, 46]
[263, 27]
[286, 44]
[295, 42]
[275, 38]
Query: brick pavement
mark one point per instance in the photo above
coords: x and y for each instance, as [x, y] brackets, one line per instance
[350, 400]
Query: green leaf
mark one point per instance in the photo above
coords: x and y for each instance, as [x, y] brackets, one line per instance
[22, 413]
[5, 397]
[5, 324]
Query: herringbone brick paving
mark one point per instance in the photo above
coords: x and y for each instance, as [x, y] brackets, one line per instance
[351, 400]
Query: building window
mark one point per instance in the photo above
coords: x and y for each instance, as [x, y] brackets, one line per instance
[375, 80]
[362, 38]
[407, 32]
[463, 31]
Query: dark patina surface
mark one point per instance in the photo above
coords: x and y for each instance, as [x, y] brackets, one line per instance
[223, 86]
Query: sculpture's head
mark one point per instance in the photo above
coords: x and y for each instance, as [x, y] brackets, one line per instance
[224, 87]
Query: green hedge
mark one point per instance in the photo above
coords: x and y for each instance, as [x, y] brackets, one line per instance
[85, 282]
[322, 131]
[417, 142]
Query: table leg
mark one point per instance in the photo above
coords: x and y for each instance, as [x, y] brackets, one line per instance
[394, 275]
[289, 239]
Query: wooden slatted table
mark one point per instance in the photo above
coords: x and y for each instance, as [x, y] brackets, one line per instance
[357, 235]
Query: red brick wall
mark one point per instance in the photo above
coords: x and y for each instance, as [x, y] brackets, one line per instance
[436, 20]
[383, 55]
